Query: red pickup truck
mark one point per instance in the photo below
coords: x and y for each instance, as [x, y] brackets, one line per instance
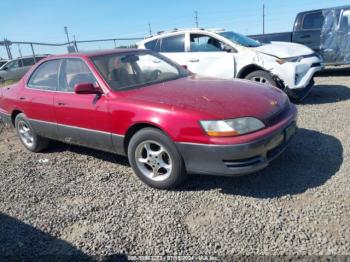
[138, 103]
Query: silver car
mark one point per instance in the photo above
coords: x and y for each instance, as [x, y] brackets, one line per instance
[2, 62]
[15, 69]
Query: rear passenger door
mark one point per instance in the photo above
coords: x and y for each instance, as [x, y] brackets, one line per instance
[172, 47]
[36, 98]
[207, 57]
[82, 119]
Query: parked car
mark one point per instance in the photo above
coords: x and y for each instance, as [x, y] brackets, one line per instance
[229, 55]
[16, 69]
[138, 103]
[2, 62]
[326, 31]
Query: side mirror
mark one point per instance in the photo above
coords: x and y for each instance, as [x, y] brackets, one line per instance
[87, 89]
[228, 49]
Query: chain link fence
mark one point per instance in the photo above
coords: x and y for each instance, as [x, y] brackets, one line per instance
[17, 49]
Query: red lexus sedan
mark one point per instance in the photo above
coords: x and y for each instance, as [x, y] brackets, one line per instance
[138, 103]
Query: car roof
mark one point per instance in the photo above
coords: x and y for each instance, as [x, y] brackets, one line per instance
[182, 31]
[324, 9]
[95, 53]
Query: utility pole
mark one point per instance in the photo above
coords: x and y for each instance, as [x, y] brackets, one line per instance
[196, 18]
[263, 19]
[19, 50]
[7, 45]
[75, 44]
[150, 28]
[66, 31]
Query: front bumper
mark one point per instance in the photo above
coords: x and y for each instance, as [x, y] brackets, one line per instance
[235, 160]
[298, 75]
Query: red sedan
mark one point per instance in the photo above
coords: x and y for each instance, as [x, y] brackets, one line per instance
[138, 103]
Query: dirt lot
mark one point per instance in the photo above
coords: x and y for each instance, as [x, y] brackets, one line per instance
[71, 201]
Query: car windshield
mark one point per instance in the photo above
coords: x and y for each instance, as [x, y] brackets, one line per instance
[240, 39]
[136, 69]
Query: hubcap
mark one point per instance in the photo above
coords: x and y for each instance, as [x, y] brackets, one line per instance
[260, 79]
[153, 160]
[25, 133]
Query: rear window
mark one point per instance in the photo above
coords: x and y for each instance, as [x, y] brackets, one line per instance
[313, 21]
[153, 45]
[173, 44]
[45, 77]
[28, 61]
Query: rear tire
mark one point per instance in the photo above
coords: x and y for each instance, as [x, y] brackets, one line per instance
[155, 159]
[262, 77]
[27, 135]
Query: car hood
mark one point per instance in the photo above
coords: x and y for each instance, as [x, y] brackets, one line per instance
[213, 98]
[284, 49]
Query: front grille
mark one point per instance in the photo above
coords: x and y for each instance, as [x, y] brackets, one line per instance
[316, 65]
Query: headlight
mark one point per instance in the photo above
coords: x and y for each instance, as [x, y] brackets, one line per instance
[289, 60]
[232, 127]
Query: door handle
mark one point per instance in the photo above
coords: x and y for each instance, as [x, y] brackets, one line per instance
[22, 98]
[61, 104]
[193, 60]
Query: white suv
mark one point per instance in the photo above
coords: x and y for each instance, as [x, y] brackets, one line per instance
[228, 55]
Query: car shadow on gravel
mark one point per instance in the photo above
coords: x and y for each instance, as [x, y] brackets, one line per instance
[22, 242]
[311, 159]
[56, 147]
[325, 94]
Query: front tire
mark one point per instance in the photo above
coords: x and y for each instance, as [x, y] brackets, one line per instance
[27, 135]
[262, 77]
[155, 159]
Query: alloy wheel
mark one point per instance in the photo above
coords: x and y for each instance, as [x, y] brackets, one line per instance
[153, 160]
[25, 133]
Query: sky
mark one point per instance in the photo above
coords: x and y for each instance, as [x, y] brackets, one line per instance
[44, 20]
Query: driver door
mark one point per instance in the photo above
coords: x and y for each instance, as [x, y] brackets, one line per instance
[82, 119]
[207, 57]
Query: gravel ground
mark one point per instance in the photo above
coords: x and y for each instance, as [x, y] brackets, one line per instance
[72, 201]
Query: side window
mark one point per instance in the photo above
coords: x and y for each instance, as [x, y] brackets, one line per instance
[153, 45]
[74, 71]
[313, 21]
[345, 20]
[45, 77]
[204, 43]
[173, 44]
[28, 61]
[12, 65]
